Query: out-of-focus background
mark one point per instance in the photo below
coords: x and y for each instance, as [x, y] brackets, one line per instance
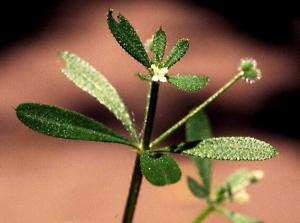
[44, 179]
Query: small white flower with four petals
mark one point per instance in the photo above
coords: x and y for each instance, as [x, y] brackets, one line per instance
[159, 73]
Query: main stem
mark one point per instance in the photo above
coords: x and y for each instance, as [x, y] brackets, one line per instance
[150, 113]
[193, 112]
[134, 190]
[203, 214]
[137, 176]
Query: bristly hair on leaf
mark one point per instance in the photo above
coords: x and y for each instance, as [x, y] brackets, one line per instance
[93, 82]
[177, 52]
[63, 123]
[159, 45]
[188, 83]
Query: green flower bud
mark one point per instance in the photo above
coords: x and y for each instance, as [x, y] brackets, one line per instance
[249, 70]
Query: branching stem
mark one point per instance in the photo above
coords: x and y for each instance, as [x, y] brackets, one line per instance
[197, 109]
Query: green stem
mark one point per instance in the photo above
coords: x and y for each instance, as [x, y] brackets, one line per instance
[133, 191]
[150, 113]
[197, 109]
[203, 214]
[137, 176]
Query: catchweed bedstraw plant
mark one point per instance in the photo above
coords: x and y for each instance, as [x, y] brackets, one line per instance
[153, 162]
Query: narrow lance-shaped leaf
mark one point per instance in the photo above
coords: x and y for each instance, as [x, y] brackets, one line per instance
[188, 83]
[177, 52]
[62, 123]
[127, 38]
[198, 128]
[93, 82]
[159, 169]
[159, 45]
[239, 218]
[232, 148]
[204, 170]
[197, 189]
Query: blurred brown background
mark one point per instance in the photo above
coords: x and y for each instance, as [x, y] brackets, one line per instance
[44, 179]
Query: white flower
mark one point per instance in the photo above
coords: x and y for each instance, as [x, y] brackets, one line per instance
[159, 73]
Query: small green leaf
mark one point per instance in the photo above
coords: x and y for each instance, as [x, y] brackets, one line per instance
[177, 52]
[159, 46]
[144, 77]
[232, 148]
[126, 36]
[62, 123]
[93, 82]
[197, 189]
[188, 83]
[159, 169]
[204, 170]
[239, 218]
[198, 128]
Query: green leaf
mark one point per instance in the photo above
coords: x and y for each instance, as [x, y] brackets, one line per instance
[62, 123]
[93, 82]
[144, 77]
[126, 36]
[232, 148]
[177, 52]
[204, 170]
[159, 169]
[188, 83]
[198, 127]
[159, 45]
[197, 189]
[239, 218]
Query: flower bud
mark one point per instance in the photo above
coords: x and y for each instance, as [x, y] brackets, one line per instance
[249, 70]
[257, 175]
[241, 197]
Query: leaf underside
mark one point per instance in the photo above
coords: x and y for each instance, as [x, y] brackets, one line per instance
[127, 37]
[93, 82]
[232, 148]
[161, 170]
[188, 83]
[62, 123]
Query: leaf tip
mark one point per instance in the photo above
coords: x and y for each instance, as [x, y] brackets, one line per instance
[109, 12]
